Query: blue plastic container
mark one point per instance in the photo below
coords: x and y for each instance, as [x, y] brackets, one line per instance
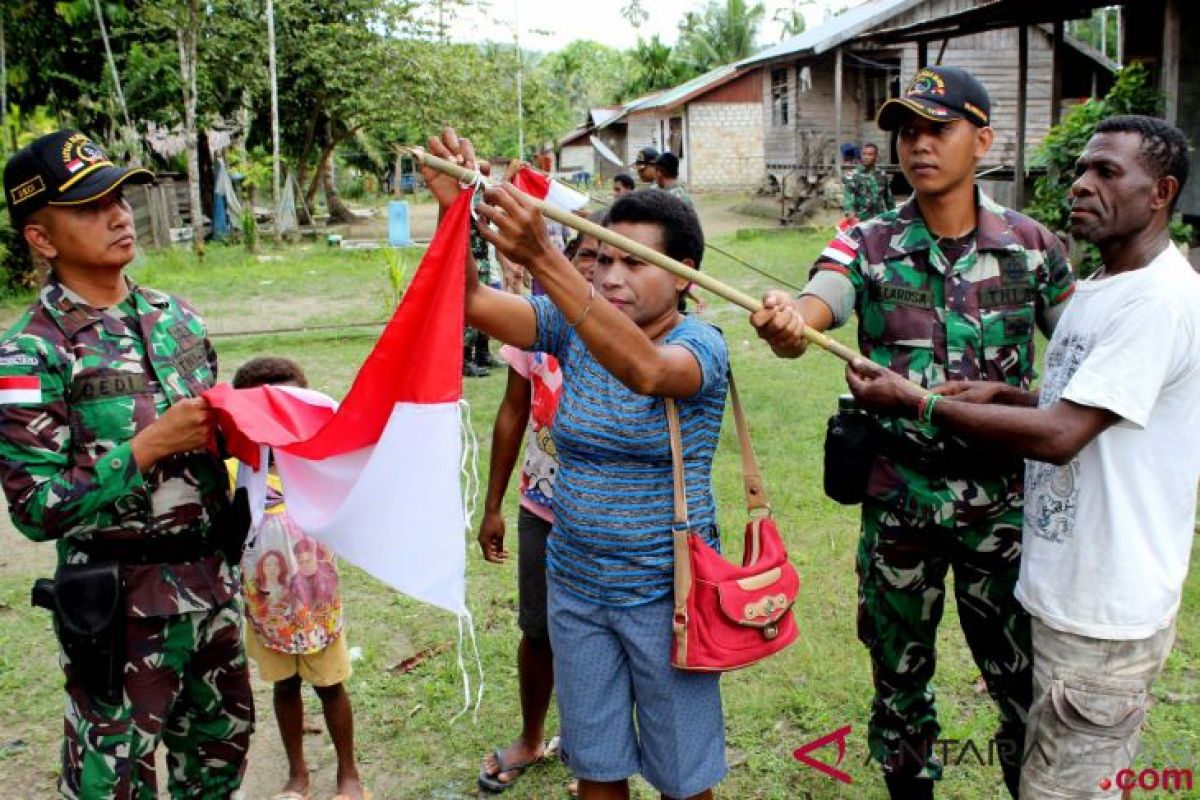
[398, 232]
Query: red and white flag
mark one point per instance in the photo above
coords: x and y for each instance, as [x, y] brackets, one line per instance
[20, 389]
[377, 478]
[542, 187]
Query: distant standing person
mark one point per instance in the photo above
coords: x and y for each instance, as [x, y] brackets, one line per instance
[622, 185]
[868, 190]
[668, 177]
[644, 164]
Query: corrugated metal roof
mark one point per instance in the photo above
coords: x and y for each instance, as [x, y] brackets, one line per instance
[670, 97]
[843, 27]
[602, 116]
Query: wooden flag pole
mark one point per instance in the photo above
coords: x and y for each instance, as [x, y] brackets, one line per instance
[650, 256]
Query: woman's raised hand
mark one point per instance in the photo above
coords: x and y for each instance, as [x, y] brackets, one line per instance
[519, 232]
[456, 149]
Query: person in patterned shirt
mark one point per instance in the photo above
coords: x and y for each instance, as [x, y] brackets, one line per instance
[103, 450]
[950, 286]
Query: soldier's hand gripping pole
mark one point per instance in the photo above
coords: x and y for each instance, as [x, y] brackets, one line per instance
[575, 222]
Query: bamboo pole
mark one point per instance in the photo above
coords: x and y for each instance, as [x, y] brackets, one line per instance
[649, 255]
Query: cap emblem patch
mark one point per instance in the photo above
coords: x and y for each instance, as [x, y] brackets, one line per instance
[926, 82]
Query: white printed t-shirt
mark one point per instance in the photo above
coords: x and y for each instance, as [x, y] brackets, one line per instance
[1108, 536]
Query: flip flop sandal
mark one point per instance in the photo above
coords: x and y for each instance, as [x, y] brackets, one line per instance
[289, 796]
[491, 781]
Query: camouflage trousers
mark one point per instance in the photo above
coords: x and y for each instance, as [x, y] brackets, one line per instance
[187, 685]
[902, 566]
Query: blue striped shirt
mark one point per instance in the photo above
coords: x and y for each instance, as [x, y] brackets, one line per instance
[611, 542]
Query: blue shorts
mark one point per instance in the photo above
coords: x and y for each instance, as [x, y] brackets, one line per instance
[611, 663]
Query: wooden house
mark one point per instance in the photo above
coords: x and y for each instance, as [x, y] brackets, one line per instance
[823, 88]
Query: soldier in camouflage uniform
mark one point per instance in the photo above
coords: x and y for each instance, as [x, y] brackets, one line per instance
[868, 191]
[103, 451]
[950, 286]
[477, 358]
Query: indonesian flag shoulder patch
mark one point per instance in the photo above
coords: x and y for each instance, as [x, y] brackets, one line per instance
[841, 249]
[20, 389]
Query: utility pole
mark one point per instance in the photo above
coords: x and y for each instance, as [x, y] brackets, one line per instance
[1104, 31]
[276, 191]
[116, 76]
[520, 86]
[3, 95]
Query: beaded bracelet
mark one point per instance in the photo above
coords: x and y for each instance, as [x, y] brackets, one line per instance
[587, 309]
[925, 407]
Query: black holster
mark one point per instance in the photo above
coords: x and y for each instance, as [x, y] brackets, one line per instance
[89, 617]
[231, 527]
[851, 445]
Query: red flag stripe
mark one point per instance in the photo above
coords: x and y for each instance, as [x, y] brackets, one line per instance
[532, 183]
[20, 382]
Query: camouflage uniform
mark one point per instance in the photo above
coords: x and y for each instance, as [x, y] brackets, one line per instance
[868, 193]
[69, 474]
[933, 321]
[472, 338]
[680, 192]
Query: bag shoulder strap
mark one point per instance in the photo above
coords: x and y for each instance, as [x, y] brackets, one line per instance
[681, 509]
[752, 482]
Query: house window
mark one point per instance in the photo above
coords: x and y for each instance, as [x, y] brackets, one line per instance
[675, 136]
[779, 97]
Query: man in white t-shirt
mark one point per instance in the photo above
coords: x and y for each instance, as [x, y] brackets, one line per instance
[1113, 442]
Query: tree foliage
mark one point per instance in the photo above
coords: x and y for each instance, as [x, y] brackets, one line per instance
[720, 33]
[1131, 93]
[653, 66]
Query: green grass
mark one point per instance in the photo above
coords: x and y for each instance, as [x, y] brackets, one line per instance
[410, 747]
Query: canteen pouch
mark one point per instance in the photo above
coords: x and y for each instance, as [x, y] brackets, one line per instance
[89, 618]
[851, 445]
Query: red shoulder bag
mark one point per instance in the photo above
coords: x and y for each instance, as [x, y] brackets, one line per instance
[729, 616]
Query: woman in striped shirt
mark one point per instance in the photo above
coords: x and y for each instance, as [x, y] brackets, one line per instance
[623, 345]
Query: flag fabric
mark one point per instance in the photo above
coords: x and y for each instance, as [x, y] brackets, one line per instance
[841, 249]
[20, 389]
[377, 478]
[542, 187]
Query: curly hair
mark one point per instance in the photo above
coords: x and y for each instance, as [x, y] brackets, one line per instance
[267, 370]
[1164, 150]
[683, 238]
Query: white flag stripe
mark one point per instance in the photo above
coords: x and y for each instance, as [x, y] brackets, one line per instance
[565, 197]
[20, 396]
[841, 257]
[393, 509]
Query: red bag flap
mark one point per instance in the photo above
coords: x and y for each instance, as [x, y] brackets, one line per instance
[762, 599]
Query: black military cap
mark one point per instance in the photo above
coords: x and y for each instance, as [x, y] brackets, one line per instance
[65, 168]
[647, 155]
[940, 94]
[669, 164]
